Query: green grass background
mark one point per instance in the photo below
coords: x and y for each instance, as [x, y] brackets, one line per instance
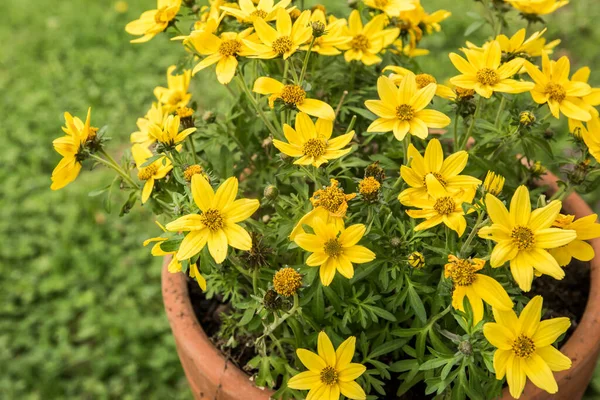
[80, 306]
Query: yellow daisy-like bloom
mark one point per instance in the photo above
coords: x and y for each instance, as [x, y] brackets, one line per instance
[533, 46]
[586, 228]
[588, 102]
[552, 86]
[69, 147]
[442, 206]
[283, 41]
[168, 134]
[446, 171]
[477, 287]
[368, 40]
[525, 347]
[176, 94]
[312, 142]
[287, 281]
[266, 10]
[398, 74]
[334, 37]
[334, 249]
[416, 18]
[293, 96]
[330, 205]
[153, 22]
[493, 183]
[393, 8]
[523, 237]
[155, 116]
[537, 7]
[217, 224]
[330, 372]
[150, 173]
[591, 137]
[402, 109]
[484, 74]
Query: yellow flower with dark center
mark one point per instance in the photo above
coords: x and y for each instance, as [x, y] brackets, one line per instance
[330, 372]
[552, 86]
[334, 249]
[70, 147]
[153, 22]
[168, 134]
[283, 41]
[193, 170]
[537, 7]
[293, 96]
[265, 10]
[446, 171]
[150, 173]
[416, 260]
[478, 287]
[533, 46]
[402, 109]
[176, 94]
[523, 237]
[393, 8]
[493, 183]
[416, 18]
[591, 137]
[442, 207]
[422, 80]
[330, 205]
[155, 116]
[312, 142]
[524, 347]
[484, 73]
[217, 224]
[586, 228]
[287, 281]
[334, 34]
[368, 40]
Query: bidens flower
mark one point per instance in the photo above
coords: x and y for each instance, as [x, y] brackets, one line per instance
[586, 228]
[493, 183]
[265, 10]
[402, 109]
[217, 224]
[150, 173]
[330, 372]
[393, 8]
[176, 94]
[591, 137]
[398, 74]
[312, 142]
[168, 134]
[333, 34]
[155, 116]
[153, 22]
[523, 237]
[525, 347]
[537, 7]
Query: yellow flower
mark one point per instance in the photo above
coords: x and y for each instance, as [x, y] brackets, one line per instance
[168, 134]
[484, 74]
[493, 183]
[398, 74]
[331, 372]
[537, 7]
[587, 102]
[442, 206]
[153, 22]
[195, 273]
[552, 86]
[369, 188]
[334, 37]
[293, 96]
[402, 109]
[586, 228]
[393, 8]
[176, 94]
[174, 265]
[591, 137]
[416, 18]
[533, 46]
[477, 287]
[150, 173]
[368, 40]
[312, 142]
[525, 347]
[523, 237]
[287, 281]
[265, 10]
[283, 41]
[445, 171]
[217, 224]
[155, 116]
[222, 50]
[70, 147]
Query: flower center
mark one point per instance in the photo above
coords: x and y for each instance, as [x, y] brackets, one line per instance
[314, 148]
[287, 281]
[487, 76]
[563, 221]
[282, 45]
[444, 205]
[230, 47]
[463, 93]
[212, 219]
[556, 92]
[523, 346]
[293, 94]
[424, 80]
[332, 248]
[523, 237]
[405, 112]
[369, 185]
[185, 112]
[329, 375]
[462, 273]
[191, 171]
[258, 14]
[331, 198]
[437, 176]
[146, 173]
[381, 3]
[175, 97]
[360, 42]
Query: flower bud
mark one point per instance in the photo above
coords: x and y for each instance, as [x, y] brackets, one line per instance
[271, 192]
[193, 170]
[526, 118]
[369, 189]
[465, 347]
[271, 301]
[538, 169]
[209, 117]
[395, 242]
[186, 116]
[493, 183]
[287, 281]
[416, 260]
[318, 29]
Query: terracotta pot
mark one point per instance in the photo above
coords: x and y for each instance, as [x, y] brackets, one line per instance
[211, 376]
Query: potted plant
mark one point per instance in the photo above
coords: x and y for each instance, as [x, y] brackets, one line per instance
[334, 246]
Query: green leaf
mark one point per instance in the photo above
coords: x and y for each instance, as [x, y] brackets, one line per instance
[247, 317]
[417, 304]
[387, 347]
[433, 363]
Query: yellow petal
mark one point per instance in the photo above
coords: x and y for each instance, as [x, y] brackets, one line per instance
[492, 292]
[317, 108]
[217, 245]
[434, 156]
[556, 360]
[522, 272]
[326, 350]
[515, 377]
[497, 211]
[265, 85]
[381, 109]
[543, 217]
[581, 250]
[344, 266]
[423, 97]
[190, 222]
[226, 194]
[388, 93]
[238, 237]
[498, 335]
[240, 210]
[192, 244]
[351, 235]
[553, 237]
[202, 192]
[520, 206]
[462, 65]
[345, 352]
[226, 69]
[530, 316]
[502, 358]
[351, 372]
[327, 271]
[352, 390]
[540, 373]
[382, 125]
[304, 381]
[316, 259]
[549, 330]
[433, 118]
[359, 254]
[313, 362]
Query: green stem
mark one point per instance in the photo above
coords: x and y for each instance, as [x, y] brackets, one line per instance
[500, 110]
[406, 143]
[456, 131]
[111, 163]
[306, 58]
[193, 146]
[240, 80]
[471, 236]
[475, 116]
[281, 320]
